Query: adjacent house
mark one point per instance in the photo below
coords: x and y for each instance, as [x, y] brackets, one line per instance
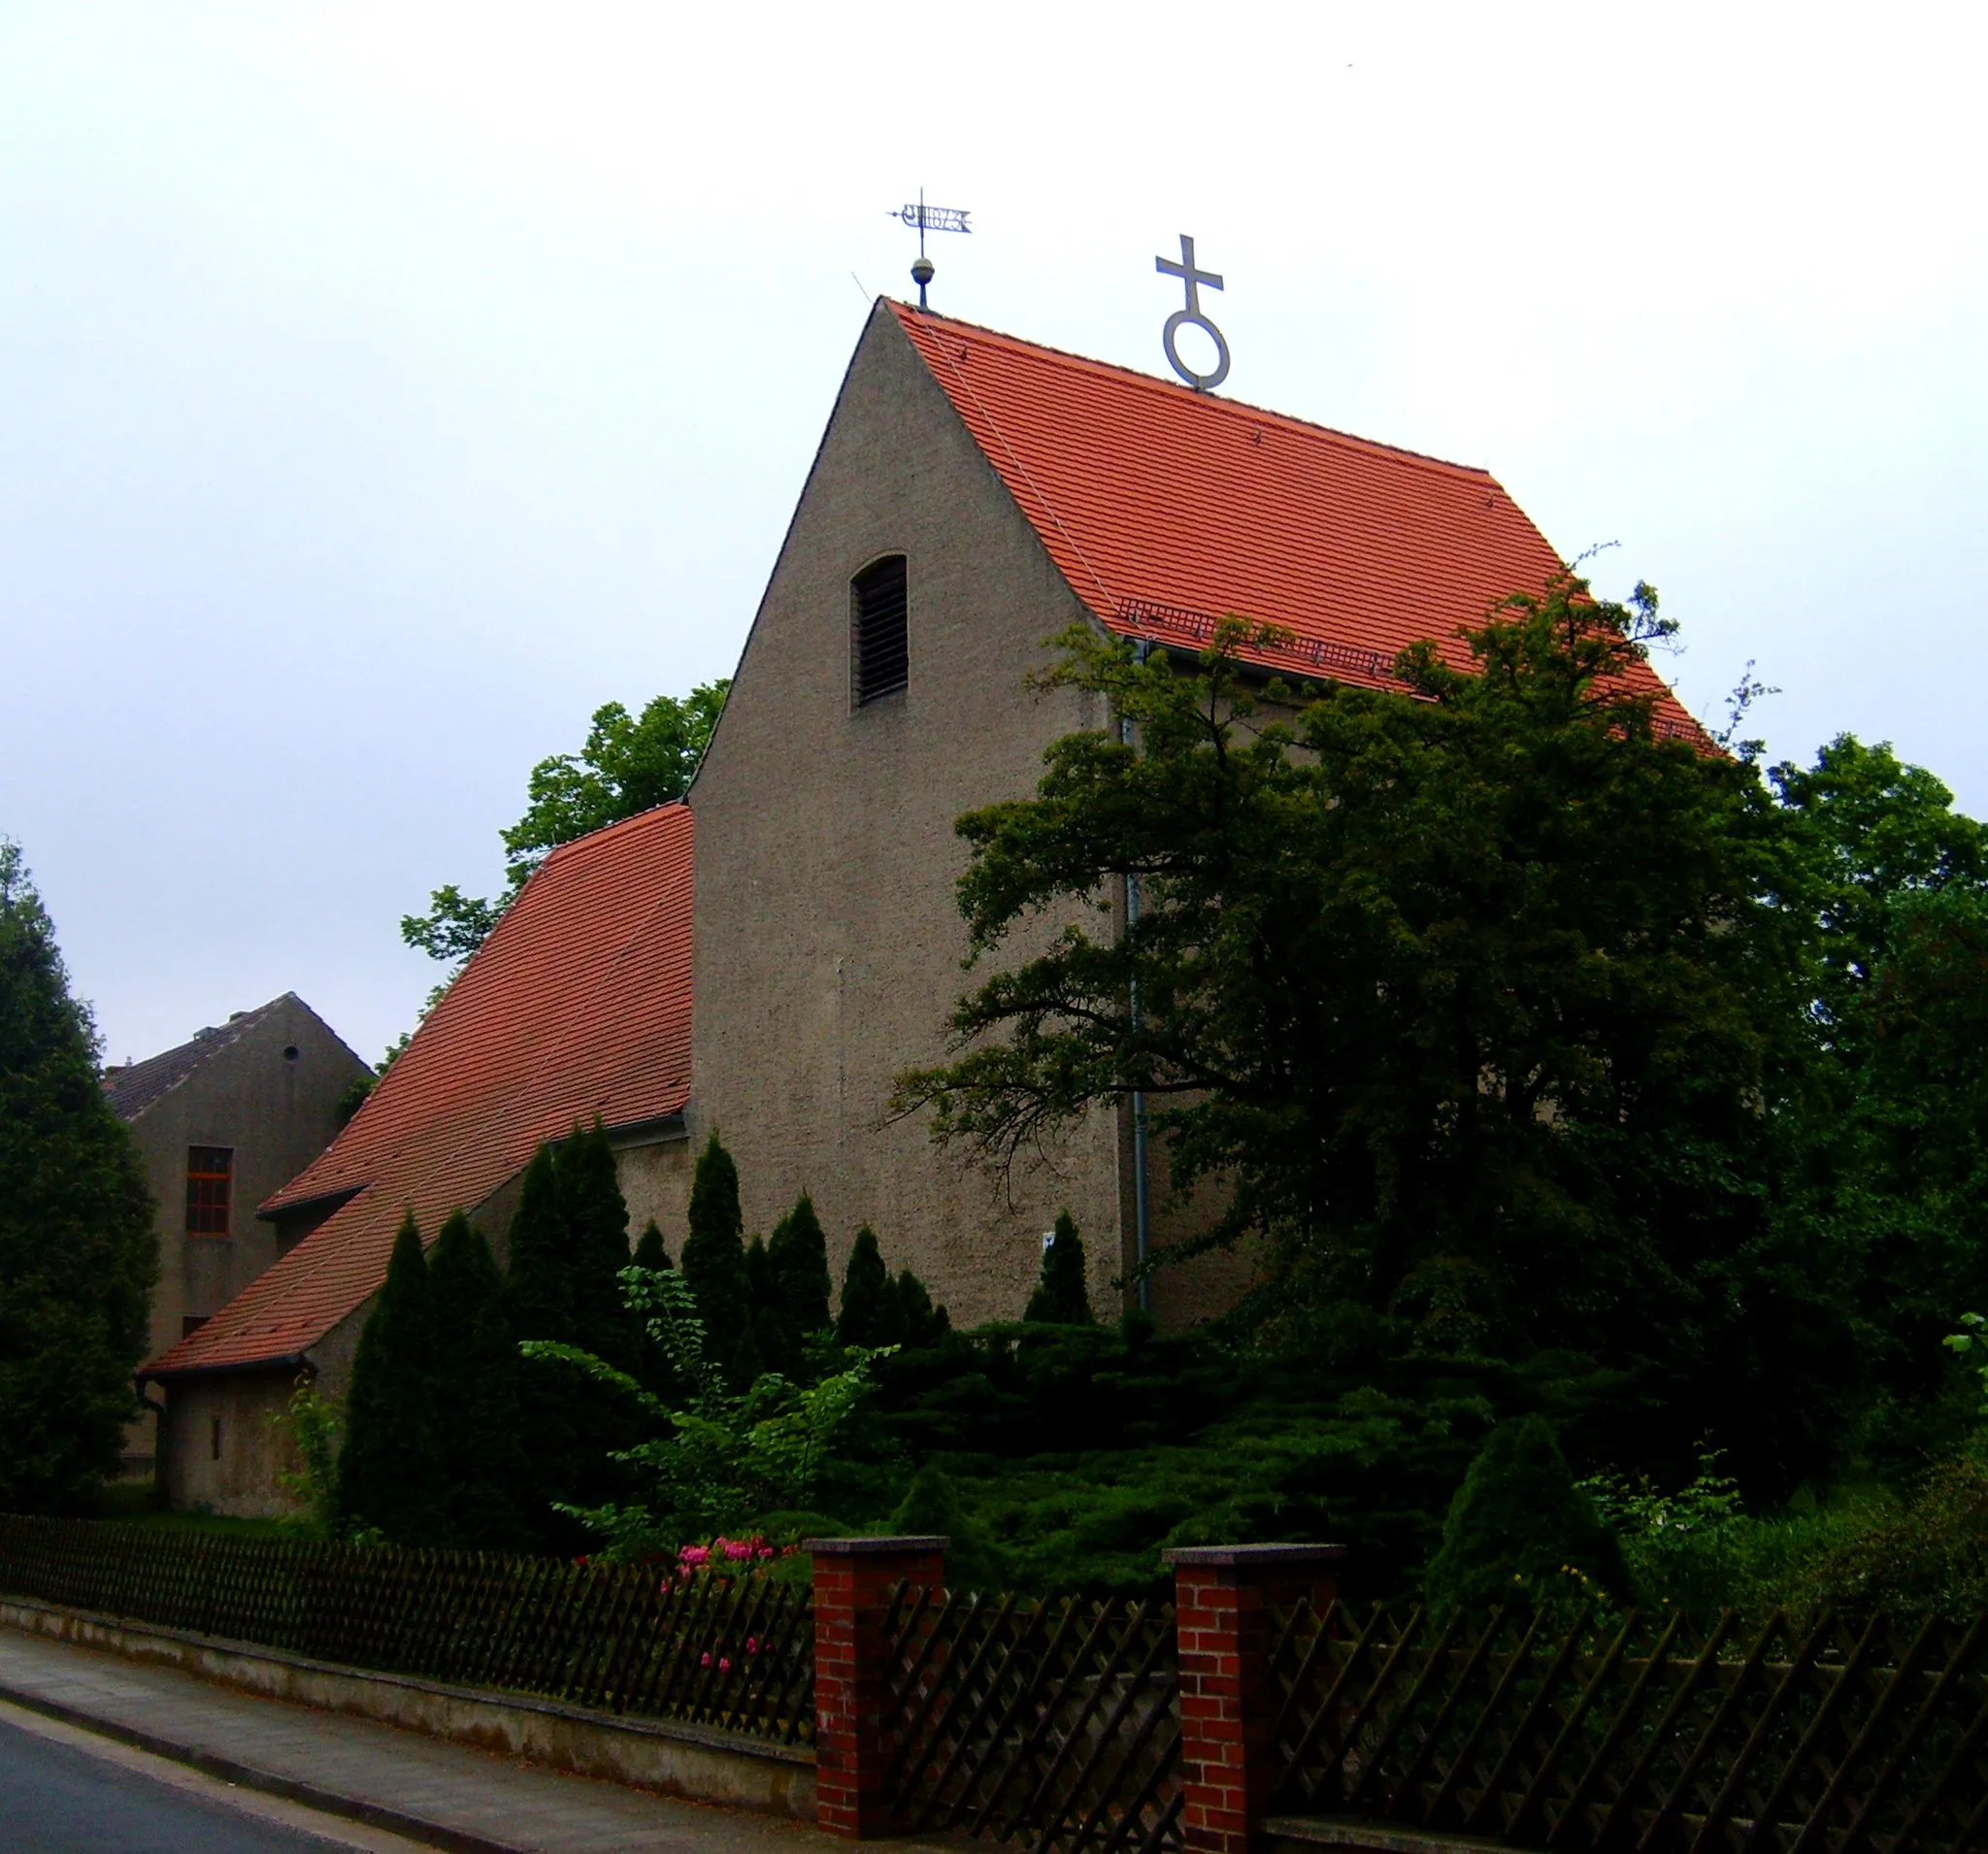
[576, 1006]
[972, 496]
[220, 1123]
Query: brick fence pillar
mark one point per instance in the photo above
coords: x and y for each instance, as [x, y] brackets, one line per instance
[1222, 1599]
[854, 1730]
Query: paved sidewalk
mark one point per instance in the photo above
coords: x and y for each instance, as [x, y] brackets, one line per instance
[447, 1795]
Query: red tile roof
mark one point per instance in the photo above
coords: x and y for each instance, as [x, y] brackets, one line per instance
[579, 1004]
[1167, 509]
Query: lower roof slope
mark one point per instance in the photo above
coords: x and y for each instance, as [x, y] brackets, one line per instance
[578, 1004]
[1167, 509]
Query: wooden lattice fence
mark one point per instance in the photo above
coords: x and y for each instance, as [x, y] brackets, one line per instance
[1817, 1736]
[735, 1652]
[1053, 1723]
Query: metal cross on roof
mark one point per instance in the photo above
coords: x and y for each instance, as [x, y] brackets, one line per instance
[1191, 316]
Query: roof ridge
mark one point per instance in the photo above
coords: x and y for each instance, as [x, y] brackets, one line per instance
[590, 838]
[912, 317]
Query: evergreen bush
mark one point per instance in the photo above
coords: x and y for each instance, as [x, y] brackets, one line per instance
[390, 1471]
[651, 1251]
[486, 1479]
[870, 1313]
[1061, 1297]
[922, 1323]
[799, 1253]
[597, 1239]
[537, 1298]
[78, 1255]
[713, 1265]
[1520, 1531]
[931, 1506]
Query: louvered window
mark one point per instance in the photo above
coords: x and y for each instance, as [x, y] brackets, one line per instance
[880, 647]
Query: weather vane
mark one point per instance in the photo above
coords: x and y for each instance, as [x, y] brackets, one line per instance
[930, 219]
[1192, 317]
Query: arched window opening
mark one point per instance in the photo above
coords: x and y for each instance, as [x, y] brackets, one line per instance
[879, 644]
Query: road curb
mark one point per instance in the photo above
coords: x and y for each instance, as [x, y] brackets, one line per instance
[247, 1777]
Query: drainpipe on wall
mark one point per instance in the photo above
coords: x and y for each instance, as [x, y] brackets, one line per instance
[160, 1490]
[1141, 1227]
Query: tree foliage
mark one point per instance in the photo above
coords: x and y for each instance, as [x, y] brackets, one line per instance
[390, 1470]
[1061, 1294]
[1520, 1531]
[630, 763]
[1464, 997]
[78, 1254]
[714, 1265]
[486, 1479]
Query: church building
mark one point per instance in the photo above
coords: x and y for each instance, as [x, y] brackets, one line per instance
[972, 496]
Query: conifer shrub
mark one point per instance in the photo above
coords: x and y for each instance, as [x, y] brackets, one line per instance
[538, 1286]
[923, 1322]
[799, 1254]
[714, 1265]
[597, 1239]
[774, 1341]
[871, 1313]
[651, 1251]
[1061, 1297]
[486, 1479]
[932, 1505]
[78, 1254]
[390, 1470]
[1520, 1531]
[537, 1298]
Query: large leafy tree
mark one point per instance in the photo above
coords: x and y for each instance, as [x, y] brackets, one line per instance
[630, 763]
[78, 1255]
[1889, 1155]
[1468, 998]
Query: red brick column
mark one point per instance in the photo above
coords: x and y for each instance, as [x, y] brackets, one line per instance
[1222, 1599]
[853, 1727]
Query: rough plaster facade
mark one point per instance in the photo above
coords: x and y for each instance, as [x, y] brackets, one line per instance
[270, 1096]
[829, 944]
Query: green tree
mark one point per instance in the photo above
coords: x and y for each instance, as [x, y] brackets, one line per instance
[630, 763]
[798, 1252]
[922, 1322]
[1520, 1531]
[714, 1265]
[77, 1256]
[538, 1298]
[651, 1251]
[1061, 1294]
[1467, 997]
[485, 1476]
[597, 1239]
[871, 1313]
[390, 1471]
[932, 1507]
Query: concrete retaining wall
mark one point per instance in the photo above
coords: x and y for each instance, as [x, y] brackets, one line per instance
[698, 1762]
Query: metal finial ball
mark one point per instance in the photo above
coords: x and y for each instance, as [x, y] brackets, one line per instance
[923, 270]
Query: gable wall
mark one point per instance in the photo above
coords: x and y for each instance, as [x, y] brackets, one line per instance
[828, 940]
[277, 1114]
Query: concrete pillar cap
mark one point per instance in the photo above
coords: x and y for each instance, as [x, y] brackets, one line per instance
[1244, 1556]
[876, 1546]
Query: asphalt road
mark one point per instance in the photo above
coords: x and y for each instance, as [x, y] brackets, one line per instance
[58, 1798]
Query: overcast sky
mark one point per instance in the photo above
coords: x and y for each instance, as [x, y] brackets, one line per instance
[385, 387]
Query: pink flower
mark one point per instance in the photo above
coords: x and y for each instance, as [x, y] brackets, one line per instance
[751, 1644]
[724, 1666]
[705, 1662]
[735, 1548]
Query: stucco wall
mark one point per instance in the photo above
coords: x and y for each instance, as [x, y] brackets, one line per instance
[655, 1174]
[223, 1450]
[828, 939]
[275, 1110]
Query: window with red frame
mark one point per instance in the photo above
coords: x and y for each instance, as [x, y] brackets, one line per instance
[209, 1178]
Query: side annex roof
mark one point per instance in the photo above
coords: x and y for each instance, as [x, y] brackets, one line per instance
[576, 1005]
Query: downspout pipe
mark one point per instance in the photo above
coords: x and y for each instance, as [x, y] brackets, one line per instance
[1142, 1204]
